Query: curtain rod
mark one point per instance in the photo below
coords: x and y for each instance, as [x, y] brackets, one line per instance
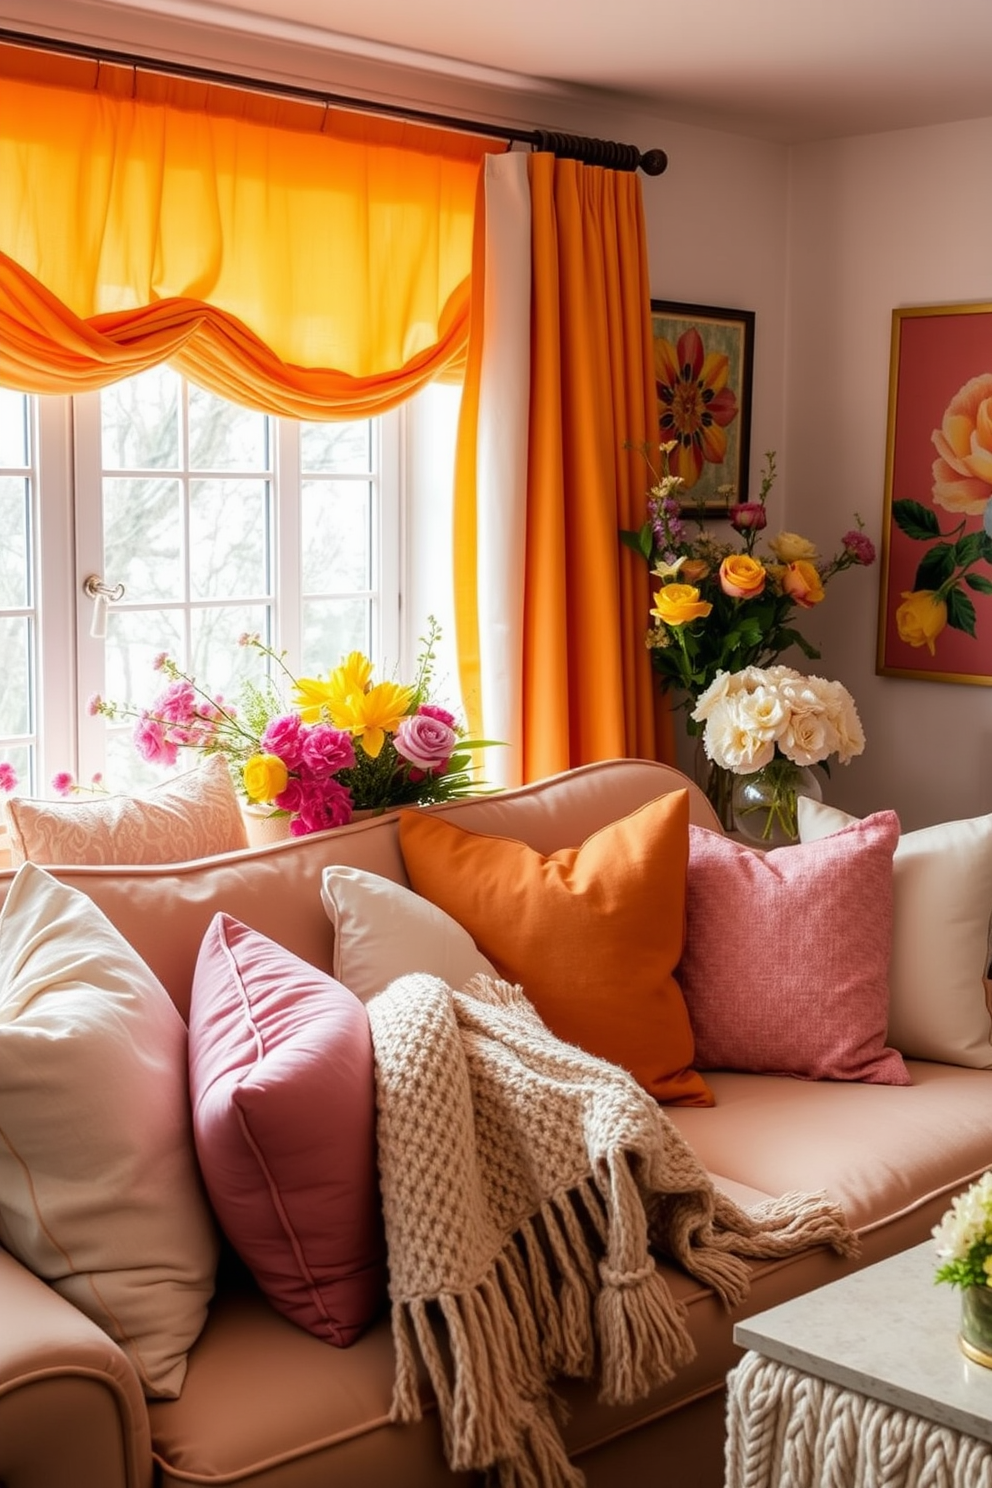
[568, 146]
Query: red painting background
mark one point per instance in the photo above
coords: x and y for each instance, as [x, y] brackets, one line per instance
[937, 354]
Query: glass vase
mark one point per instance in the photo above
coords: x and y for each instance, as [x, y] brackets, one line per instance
[765, 809]
[718, 784]
[976, 1324]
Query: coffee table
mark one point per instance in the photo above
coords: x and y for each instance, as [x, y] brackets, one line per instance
[860, 1382]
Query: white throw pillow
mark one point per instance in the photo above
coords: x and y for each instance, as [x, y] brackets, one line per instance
[383, 930]
[100, 1193]
[188, 816]
[940, 995]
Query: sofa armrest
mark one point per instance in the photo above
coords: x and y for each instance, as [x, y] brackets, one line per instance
[71, 1406]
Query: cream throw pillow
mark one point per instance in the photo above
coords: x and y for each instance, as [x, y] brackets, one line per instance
[100, 1194]
[940, 996]
[383, 930]
[188, 816]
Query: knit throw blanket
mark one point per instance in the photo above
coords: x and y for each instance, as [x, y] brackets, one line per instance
[527, 1187]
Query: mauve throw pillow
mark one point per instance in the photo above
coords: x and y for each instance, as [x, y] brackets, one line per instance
[786, 961]
[283, 1091]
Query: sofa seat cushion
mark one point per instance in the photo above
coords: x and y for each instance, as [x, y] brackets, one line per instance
[880, 1151]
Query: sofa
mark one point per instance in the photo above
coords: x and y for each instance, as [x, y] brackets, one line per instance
[267, 1404]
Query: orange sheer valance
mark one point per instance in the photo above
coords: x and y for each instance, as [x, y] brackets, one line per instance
[296, 258]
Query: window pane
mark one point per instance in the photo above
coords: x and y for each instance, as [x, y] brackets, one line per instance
[331, 629]
[15, 509]
[134, 639]
[15, 674]
[21, 756]
[223, 436]
[220, 665]
[336, 529]
[336, 449]
[13, 428]
[142, 538]
[140, 422]
[228, 538]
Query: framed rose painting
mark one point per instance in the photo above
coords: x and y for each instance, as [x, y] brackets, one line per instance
[703, 360]
[935, 610]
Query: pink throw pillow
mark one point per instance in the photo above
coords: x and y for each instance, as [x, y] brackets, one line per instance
[282, 1085]
[786, 961]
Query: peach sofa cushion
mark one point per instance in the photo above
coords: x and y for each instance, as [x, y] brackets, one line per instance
[940, 994]
[188, 816]
[283, 1092]
[786, 958]
[99, 1189]
[592, 933]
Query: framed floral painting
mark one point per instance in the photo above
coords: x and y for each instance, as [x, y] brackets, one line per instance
[703, 359]
[935, 608]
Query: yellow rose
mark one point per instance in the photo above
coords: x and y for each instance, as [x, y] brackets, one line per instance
[264, 777]
[741, 576]
[678, 604]
[789, 547]
[802, 583]
[920, 618]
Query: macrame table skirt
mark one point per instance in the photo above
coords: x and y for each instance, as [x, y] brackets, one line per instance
[786, 1429]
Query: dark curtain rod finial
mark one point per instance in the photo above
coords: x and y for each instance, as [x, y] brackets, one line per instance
[568, 146]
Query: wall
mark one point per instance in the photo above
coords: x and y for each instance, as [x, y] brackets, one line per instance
[876, 223]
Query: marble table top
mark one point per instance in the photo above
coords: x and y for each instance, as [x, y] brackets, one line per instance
[888, 1332]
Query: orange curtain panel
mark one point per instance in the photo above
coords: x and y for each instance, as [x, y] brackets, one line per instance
[586, 691]
[295, 258]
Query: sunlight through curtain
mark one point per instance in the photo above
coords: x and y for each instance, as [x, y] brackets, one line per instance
[578, 678]
[298, 259]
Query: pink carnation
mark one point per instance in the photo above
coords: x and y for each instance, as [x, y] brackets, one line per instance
[177, 704]
[284, 736]
[8, 777]
[427, 742]
[431, 710]
[151, 742]
[860, 546]
[324, 804]
[62, 783]
[327, 750]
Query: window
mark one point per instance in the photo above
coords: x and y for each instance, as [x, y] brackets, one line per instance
[204, 520]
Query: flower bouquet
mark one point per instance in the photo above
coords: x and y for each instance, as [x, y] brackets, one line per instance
[963, 1241]
[344, 743]
[722, 606]
[767, 727]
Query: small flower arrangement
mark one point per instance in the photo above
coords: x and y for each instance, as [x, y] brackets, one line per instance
[963, 1239]
[345, 743]
[769, 725]
[721, 606]
[751, 716]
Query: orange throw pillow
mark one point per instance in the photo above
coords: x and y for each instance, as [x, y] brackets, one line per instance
[593, 933]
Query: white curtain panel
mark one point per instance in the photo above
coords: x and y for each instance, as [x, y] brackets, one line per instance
[503, 432]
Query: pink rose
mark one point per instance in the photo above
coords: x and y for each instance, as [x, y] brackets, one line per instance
[426, 742]
[151, 743]
[748, 516]
[8, 777]
[62, 783]
[283, 736]
[326, 750]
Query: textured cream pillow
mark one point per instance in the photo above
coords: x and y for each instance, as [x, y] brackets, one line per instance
[100, 1193]
[383, 930]
[940, 995]
[188, 816]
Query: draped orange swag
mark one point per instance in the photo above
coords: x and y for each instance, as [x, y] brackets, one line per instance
[304, 261]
